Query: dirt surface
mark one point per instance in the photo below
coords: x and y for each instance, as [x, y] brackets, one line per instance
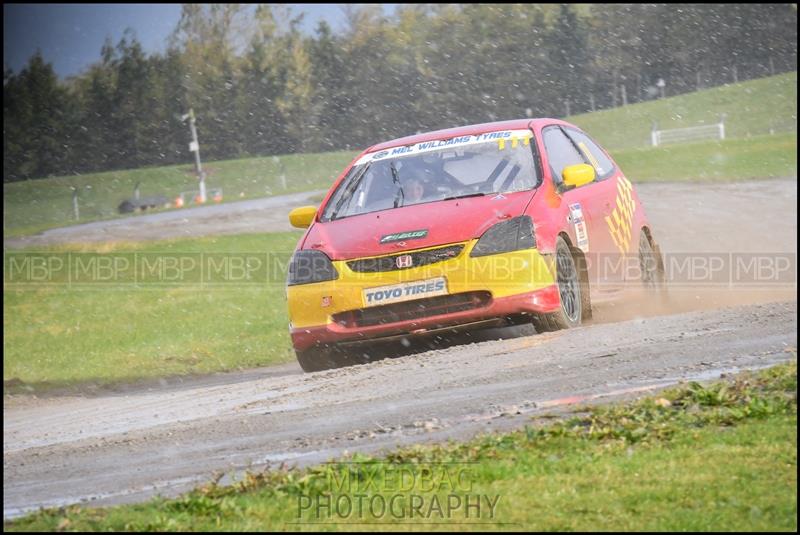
[128, 445]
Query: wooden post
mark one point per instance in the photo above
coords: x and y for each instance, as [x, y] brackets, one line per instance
[591, 101]
[195, 147]
[75, 204]
[281, 171]
[624, 95]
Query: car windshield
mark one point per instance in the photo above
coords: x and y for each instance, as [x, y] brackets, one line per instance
[497, 162]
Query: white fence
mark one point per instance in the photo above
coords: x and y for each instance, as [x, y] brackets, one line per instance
[687, 135]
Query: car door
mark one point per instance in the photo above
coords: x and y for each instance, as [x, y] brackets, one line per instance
[617, 208]
[585, 207]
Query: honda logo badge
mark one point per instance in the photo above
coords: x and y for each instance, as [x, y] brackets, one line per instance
[404, 261]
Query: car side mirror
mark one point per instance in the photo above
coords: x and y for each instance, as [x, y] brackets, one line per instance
[302, 217]
[575, 176]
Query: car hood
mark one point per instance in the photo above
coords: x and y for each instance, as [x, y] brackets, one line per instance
[445, 222]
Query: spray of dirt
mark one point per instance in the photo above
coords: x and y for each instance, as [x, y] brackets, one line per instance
[721, 221]
[636, 303]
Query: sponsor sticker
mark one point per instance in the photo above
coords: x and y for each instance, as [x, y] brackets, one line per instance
[407, 291]
[401, 236]
[581, 233]
[620, 223]
[512, 136]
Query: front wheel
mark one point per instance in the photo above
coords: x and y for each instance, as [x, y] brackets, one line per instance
[570, 314]
[319, 358]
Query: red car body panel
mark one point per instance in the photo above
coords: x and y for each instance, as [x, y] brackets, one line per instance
[447, 222]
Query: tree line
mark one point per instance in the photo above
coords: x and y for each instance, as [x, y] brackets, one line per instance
[260, 86]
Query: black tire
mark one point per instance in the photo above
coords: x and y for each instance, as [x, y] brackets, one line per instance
[317, 359]
[568, 279]
[321, 358]
[651, 267]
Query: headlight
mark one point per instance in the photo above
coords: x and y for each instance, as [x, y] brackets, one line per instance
[310, 266]
[506, 236]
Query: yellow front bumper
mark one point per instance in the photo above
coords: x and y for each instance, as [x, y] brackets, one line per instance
[503, 275]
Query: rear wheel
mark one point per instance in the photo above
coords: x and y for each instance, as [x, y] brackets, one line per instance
[570, 314]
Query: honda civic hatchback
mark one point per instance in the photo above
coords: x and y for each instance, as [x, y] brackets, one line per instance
[459, 229]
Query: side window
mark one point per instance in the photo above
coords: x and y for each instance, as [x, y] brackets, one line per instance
[594, 154]
[561, 152]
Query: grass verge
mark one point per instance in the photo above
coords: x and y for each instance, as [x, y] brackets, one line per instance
[751, 109]
[173, 322]
[720, 457]
[35, 205]
[714, 161]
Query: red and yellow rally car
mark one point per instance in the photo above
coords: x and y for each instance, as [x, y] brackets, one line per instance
[505, 222]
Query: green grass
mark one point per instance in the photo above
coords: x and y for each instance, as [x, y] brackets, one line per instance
[721, 457]
[62, 335]
[752, 109]
[728, 160]
[35, 205]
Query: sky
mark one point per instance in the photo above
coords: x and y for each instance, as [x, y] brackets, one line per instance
[70, 35]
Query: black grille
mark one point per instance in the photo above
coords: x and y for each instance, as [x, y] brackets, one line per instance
[410, 310]
[418, 258]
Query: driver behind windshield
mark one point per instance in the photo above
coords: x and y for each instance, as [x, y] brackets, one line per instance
[414, 190]
[476, 170]
[415, 179]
